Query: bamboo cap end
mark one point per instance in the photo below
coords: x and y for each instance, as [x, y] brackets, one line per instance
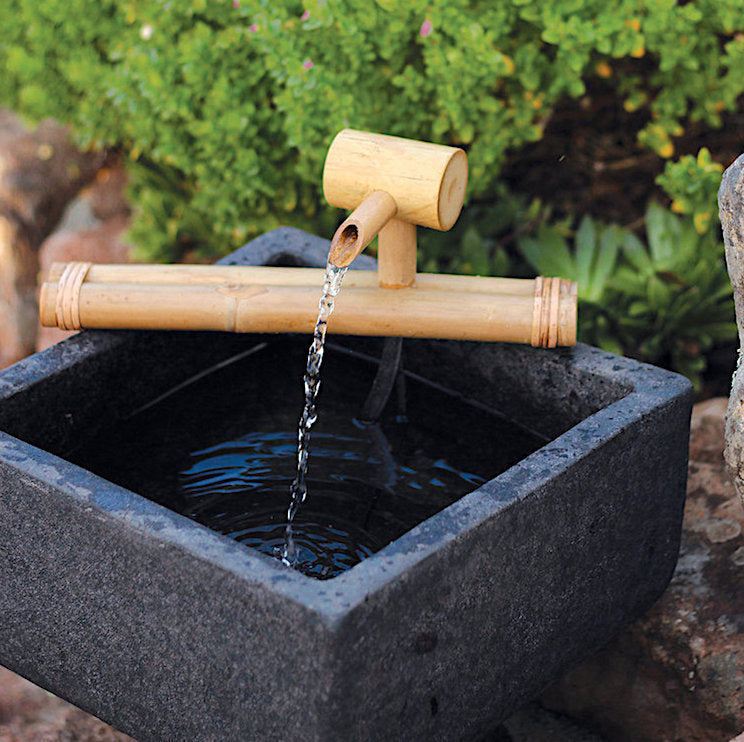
[554, 315]
[452, 190]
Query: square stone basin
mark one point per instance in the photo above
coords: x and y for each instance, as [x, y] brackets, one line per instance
[171, 631]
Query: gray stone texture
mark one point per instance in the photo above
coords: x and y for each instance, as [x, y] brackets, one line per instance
[678, 672]
[171, 631]
[731, 213]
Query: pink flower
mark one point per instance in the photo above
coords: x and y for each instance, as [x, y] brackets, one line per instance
[236, 3]
[253, 28]
[426, 28]
[305, 15]
[307, 65]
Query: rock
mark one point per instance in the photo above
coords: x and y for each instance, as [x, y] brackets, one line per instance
[677, 674]
[21, 701]
[731, 214]
[107, 194]
[92, 229]
[30, 714]
[40, 171]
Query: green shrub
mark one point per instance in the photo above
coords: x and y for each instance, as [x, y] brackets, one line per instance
[227, 107]
[693, 182]
[665, 301]
[478, 243]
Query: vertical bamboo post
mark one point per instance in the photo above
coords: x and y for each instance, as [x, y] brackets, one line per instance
[396, 254]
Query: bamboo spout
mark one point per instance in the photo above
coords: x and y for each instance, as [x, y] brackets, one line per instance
[393, 185]
[361, 227]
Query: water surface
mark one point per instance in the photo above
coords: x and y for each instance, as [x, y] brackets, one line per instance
[223, 451]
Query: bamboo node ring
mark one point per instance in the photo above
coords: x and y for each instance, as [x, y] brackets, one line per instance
[67, 309]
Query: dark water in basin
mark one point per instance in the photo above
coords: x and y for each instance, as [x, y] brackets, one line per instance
[223, 450]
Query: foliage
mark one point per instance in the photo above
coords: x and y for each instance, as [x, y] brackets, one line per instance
[477, 244]
[664, 301]
[693, 182]
[228, 106]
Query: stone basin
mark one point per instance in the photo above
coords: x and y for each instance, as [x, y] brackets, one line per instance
[171, 631]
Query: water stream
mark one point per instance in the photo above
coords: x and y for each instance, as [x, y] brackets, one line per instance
[298, 491]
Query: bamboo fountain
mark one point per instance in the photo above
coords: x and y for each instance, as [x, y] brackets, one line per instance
[169, 629]
[393, 185]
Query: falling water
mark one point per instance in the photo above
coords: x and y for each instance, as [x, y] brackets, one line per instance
[298, 491]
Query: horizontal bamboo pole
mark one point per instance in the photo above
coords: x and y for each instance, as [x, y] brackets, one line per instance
[215, 275]
[411, 312]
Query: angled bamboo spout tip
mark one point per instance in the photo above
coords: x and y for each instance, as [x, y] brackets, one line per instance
[361, 227]
[345, 246]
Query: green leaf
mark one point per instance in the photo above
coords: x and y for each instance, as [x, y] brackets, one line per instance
[722, 332]
[609, 245]
[548, 254]
[662, 231]
[659, 295]
[636, 254]
[628, 283]
[500, 263]
[586, 239]
[475, 252]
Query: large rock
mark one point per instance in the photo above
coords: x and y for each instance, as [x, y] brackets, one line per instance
[40, 171]
[678, 673]
[92, 229]
[731, 214]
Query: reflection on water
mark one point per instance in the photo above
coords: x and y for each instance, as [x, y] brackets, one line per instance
[361, 495]
[223, 451]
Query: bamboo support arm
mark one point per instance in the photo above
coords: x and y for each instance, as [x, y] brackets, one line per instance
[541, 312]
[396, 256]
